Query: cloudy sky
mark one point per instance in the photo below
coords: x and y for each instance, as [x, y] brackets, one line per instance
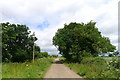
[44, 17]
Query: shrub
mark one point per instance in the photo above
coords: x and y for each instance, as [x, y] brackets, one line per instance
[110, 55]
[92, 60]
[97, 67]
[115, 62]
[44, 54]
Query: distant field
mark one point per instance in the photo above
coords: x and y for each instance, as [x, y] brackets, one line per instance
[103, 67]
[26, 70]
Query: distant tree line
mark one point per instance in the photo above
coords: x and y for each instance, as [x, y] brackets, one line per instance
[78, 40]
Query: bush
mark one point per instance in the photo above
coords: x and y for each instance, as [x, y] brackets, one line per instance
[110, 55]
[92, 60]
[41, 54]
[38, 55]
[114, 65]
[115, 62]
[97, 67]
[116, 53]
[44, 54]
[55, 56]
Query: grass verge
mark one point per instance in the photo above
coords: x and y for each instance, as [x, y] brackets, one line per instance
[96, 68]
[27, 69]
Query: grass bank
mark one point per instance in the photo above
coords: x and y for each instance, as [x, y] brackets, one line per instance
[97, 68]
[27, 69]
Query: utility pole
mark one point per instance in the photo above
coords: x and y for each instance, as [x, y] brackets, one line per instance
[33, 48]
[33, 52]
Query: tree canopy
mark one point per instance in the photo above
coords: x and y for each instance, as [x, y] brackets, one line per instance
[17, 43]
[78, 40]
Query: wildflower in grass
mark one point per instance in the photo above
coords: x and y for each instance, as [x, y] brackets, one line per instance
[28, 75]
[27, 65]
[110, 61]
[117, 70]
[108, 65]
[115, 61]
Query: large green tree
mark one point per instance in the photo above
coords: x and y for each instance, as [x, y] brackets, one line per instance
[17, 43]
[76, 41]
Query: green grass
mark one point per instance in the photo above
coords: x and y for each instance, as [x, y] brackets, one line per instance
[94, 68]
[0, 71]
[27, 69]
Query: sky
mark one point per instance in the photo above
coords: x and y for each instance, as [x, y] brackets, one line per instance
[45, 17]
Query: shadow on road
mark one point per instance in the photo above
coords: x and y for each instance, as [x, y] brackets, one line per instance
[58, 62]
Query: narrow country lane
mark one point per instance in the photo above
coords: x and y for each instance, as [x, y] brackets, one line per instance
[58, 70]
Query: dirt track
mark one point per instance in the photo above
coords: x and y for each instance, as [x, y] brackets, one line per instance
[58, 70]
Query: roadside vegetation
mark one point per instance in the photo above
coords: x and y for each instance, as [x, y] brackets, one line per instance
[78, 40]
[81, 44]
[18, 45]
[26, 69]
[97, 67]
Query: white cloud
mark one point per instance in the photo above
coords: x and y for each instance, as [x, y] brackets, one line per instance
[57, 13]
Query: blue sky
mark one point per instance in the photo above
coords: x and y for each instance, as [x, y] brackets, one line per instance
[43, 25]
[44, 17]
